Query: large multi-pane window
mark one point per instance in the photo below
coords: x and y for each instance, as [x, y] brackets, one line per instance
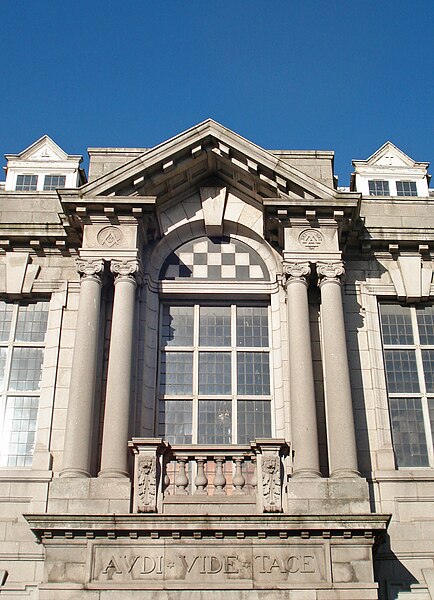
[408, 342]
[26, 183]
[22, 335]
[54, 182]
[214, 374]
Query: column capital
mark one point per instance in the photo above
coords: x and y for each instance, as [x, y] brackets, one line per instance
[295, 271]
[330, 271]
[130, 269]
[90, 268]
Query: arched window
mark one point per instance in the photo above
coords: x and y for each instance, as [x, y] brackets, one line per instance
[214, 359]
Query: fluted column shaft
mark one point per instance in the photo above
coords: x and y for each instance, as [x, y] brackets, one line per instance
[117, 407]
[302, 391]
[339, 408]
[79, 424]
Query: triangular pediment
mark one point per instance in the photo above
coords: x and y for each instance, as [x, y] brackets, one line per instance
[388, 155]
[44, 149]
[202, 155]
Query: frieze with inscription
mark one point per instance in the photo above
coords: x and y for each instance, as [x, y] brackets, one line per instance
[224, 566]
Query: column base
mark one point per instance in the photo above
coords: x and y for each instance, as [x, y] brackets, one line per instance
[113, 473]
[344, 473]
[74, 472]
[305, 474]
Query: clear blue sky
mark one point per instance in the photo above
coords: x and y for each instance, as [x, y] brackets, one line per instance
[344, 75]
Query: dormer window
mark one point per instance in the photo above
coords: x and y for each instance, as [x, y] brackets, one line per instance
[379, 187]
[406, 188]
[26, 183]
[54, 182]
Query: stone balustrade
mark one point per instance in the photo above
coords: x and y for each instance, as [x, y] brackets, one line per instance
[167, 477]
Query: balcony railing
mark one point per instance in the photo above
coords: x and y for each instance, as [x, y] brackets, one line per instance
[240, 478]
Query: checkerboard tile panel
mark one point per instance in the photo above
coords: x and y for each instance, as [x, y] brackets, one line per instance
[206, 258]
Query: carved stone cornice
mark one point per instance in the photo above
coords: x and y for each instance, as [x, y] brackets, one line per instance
[130, 269]
[330, 271]
[90, 268]
[296, 271]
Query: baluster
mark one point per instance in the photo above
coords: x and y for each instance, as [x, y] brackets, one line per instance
[166, 479]
[238, 480]
[201, 480]
[219, 477]
[181, 479]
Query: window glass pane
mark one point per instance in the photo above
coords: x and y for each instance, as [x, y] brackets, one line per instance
[401, 371]
[3, 354]
[54, 182]
[215, 326]
[177, 326]
[254, 420]
[428, 369]
[26, 183]
[176, 375]
[176, 421]
[215, 422]
[431, 416]
[19, 429]
[396, 324]
[214, 373]
[32, 322]
[425, 320]
[253, 373]
[26, 369]
[5, 320]
[379, 188]
[252, 326]
[408, 432]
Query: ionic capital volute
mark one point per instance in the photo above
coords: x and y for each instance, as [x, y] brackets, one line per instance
[330, 271]
[296, 271]
[90, 268]
[126, 269]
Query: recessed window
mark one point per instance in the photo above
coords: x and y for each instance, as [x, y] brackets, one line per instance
[22, 335]
[54, 182]
[214, 374]
[26, 183]
[406, 188]
[378, 187]
[408, 345]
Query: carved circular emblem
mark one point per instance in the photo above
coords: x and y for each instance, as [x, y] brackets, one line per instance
[109, 236]
[311, 238]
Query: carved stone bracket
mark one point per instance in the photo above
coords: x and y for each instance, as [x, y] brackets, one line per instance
[126, 268]
[296, 271]
[330, 270]
[90, 268]
[271, 483]
[147, 483]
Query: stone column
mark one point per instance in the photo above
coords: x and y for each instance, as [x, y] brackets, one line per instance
[79, 423]
[302, 391]
[339, 408]
[117, 406]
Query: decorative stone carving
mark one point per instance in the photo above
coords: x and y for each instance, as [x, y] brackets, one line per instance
[89, 268]
[146, 484]
[330, 270]
[271, 483]
[311, 238]
[109, 236]
[125, 268]
[296, 270]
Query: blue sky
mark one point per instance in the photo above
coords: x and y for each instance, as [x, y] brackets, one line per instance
[344, 75]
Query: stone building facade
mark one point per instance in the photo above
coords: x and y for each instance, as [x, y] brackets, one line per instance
[217, 374]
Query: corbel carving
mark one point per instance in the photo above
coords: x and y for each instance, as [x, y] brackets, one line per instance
[147, 484]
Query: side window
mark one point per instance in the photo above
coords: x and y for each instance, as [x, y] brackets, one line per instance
[22, 336]
[54, 182]
[214, 383]
[26, 183]
[408, 346]
[378, 187]
[406, 188]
